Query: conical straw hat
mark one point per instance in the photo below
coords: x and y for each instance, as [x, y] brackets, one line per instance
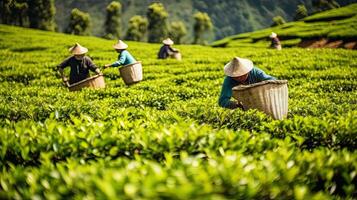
[77, 49]
[120, 45]
[238, 67]
[273, 35]
[168, 41]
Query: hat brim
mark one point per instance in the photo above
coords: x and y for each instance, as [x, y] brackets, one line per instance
[81, 51]
[119, 47]
[168, 42]
[245, 68]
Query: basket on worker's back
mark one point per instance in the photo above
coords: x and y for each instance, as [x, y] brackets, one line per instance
[96, 82]
[269, 96]
[132, 73]
[176, 55]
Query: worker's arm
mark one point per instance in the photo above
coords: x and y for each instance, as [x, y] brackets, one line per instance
[226, 94]
[92, 66]
[61, 67]
[121, 60]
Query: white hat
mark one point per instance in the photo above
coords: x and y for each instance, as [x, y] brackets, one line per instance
[120, 45]
[77, 49]
[273, 35]
[238, 67]
[168, 41]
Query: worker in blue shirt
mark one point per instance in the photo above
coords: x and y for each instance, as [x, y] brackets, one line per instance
[124, 58]
[239, 71]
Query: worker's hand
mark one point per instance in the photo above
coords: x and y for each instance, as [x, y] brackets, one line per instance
[240, 105]
[64, 79]
[107, 65]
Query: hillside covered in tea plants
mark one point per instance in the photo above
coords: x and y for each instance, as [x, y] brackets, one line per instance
[166, 137]
[333, 28]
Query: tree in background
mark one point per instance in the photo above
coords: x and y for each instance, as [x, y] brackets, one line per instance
[202, 26]
[278, 20]
[19, 12]
[42, 14]
[137, 29]
[177, 31]
[5, 11]
[158, 27]
[14, 12]
[79, 23]
[301, 12]
[321, 5]
[112, 22]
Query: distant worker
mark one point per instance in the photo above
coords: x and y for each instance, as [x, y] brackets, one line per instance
[239, 71]
[166, 50]
[275, 42]
[80, 65]
[124, 57]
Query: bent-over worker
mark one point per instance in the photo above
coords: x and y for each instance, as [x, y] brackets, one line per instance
[166, 50]
[80, 65]
[275, 42]
[239, 71]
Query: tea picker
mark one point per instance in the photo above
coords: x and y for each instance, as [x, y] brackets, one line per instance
[80, 65]
[167, 51]
[253, 88]
[130, 70]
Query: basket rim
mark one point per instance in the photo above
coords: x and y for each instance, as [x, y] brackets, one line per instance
[137, 62]
[244, 87]
[85, 80]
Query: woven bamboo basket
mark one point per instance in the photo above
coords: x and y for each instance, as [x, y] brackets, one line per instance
[96, 82]
[270, 96]
[132, 73]
[176, 55]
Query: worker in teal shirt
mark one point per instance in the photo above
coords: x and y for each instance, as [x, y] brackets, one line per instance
[239, 71]
[124, 58]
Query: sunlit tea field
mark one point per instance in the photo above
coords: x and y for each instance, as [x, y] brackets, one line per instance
[166, 137]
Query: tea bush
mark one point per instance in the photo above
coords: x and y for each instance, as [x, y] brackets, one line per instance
[166, 137]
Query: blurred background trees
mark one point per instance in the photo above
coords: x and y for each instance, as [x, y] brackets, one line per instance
[79, 23]
[203, 25]
[158, 26]
[113, 21]
[177, 31]
[137, 29]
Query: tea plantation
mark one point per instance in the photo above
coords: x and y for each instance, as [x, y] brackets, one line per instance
[166, 137]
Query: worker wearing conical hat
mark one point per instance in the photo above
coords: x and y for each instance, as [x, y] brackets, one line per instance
[275, 42]
[239, 71]
[80, 65]
[124, 58]
[166, 50]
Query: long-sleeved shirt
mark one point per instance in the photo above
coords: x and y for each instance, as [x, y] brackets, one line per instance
[124, 58]
[255, 75]
[79, 68]
[165, 51]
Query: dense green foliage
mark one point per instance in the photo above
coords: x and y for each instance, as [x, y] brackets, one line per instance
[39, 14]
[301, 12]
[113, 21]
[158, 25]
[203, 25]
[333, 24]
[228, 16]
[80, 23]
[177, 31]
[137, 30]
[166, 137]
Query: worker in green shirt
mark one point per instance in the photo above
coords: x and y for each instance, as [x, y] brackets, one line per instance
[124, 58]
[239, 71]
